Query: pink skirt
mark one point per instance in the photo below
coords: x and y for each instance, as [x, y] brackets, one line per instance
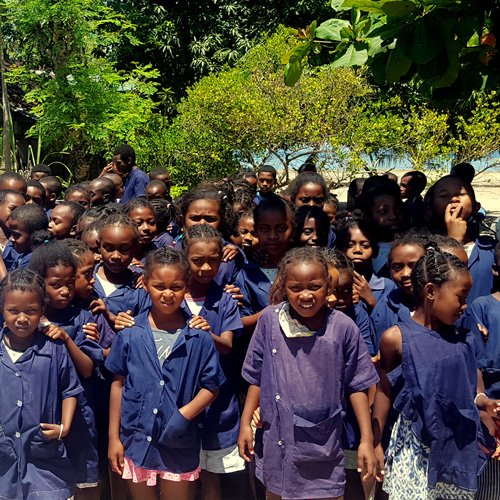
[138, 474]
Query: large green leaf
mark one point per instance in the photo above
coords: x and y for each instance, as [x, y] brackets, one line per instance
[451, 73]
[399, 8]
[365, 5]
[292, 73]
[351, 57]
[330, 30]
[398, 63]
[425, 43]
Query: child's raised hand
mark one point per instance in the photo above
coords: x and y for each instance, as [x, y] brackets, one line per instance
[116, 456]
[97, 306]
[363, 289]
[245, 443]
[53, 431]
[456, 226]
[199, 322]
[56, 333]
[139, 282]
[124, 320]
[91, 331]
[256, 421]
[229, 252]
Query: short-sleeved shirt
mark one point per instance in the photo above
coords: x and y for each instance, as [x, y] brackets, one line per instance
[134, 185]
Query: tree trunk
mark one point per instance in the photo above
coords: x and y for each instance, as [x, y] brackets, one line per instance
[7, 146]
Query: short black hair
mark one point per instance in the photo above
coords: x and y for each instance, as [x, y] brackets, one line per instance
[268, 169]
[52, 184]
[23, 280]
[464, 170]
[31, 216]
[126, 152]
[75, 208]
[106, 185]
[418, 180]
[41, 167]
[307, 178]
[50, 255]
[11, 176]
[166, 256]
[76, 188]
[78, 249]
[4, 193]
[158, 171]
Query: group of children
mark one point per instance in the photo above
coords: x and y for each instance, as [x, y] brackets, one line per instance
[309, 352]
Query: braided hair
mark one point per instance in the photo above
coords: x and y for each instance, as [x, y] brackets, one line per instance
[203, 232]
[166, 256]
[23, 280]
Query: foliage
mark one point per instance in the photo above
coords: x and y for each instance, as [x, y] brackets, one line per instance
[435, 44]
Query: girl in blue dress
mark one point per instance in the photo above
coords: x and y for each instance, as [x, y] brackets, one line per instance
[429, 376]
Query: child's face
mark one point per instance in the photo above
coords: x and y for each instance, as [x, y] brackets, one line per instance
[34, 195]
[309, 235]
[331, 210]
[450, 298]
[247, 232]
[60, 286]
[452, 192]
[344, 291]
[61, 223]
[386, 213]
[92, 241]
[166, 286]
[274, 231]
[310, 194]
[22, 311]
[97, 195]
[84, 278]
[203, 212]
[145, 220]
[405, 187]
[359, 249]
[19, 236]
[117, 246]
[79, 197]
[403, 260]
[154, 192]
[11, 202]
[266, 182]
[204, 260]
[306, 288]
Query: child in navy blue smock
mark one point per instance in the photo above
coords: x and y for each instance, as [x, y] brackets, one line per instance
[398, 304]
[302, 359]
[429, 375]
[207, 299]
[166, 374]
[55, 264]
[38, 397]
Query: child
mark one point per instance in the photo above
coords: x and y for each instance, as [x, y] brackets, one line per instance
[23, 223]
[35, 193]
[40, 171]
[161, 174]
[453, 207]
[64, 219]
[356, 239]
[206, 298]
[412, 184]
[115, 282]
[37, 396]
[398, 304]
[118, 182]
[166, 375]
[331, 207]
[9, 200]
[429, 376]
[156, 189]
[266, 182]
[166, 223]
[311, 227]
[274, 229]
[14, 181]
[308, 188]
[302, 359]
[54, 263]
[134, 179]
[243, 201]
[53, 189]
[78, 194]
[249, 239]
[102, 191]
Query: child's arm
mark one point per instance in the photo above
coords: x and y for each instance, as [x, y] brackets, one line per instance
[115, 447]
[58, 431]
[83, 364]
[249, 322]
[483, 402]
[202, 400]
[245, 439]
[223, 342]
[367, 463]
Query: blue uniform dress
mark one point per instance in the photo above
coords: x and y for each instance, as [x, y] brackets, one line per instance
[439, 423]
[222, 425]
[480, 262]
[254, 286]
[486, 311]
[31, 392]
[163, 240]
[381, 286]
[154, 433]
[13, 259]
[303, 380]
[82, 442]
[134, 185]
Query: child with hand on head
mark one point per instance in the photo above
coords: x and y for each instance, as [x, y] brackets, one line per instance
[64, 219]
[429, 376]
[38, 396]
[166, 375]
[302, 359]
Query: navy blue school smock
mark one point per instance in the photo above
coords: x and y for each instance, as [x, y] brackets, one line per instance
[481, 259]
[126, 296]
[31, 392]
[134, 185]
[13, 259]
[486, 311]
[381, 286]
[163, 240]
[303, 382]
[222, 419]
[434, 388]
[154, 433]
[254, 286]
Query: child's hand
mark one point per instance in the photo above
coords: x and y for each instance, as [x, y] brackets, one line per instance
[53, 431]
[235, 293]
[455, 225]
[483, 330]
[256, 421]
[56, 333]
[136, 263]
[492, 407]
[139, 282]
[91, 331]
[199, 322]
[367, 462]
[97, 306]
[229, 252]
[362, 288]
[245, 443]
[116, 456]
[124, 320]
[379, 456]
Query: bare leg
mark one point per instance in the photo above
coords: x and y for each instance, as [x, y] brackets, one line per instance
[210, 486]
[141, 491]
[177, 490]
[118, 486]
[87, 493]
